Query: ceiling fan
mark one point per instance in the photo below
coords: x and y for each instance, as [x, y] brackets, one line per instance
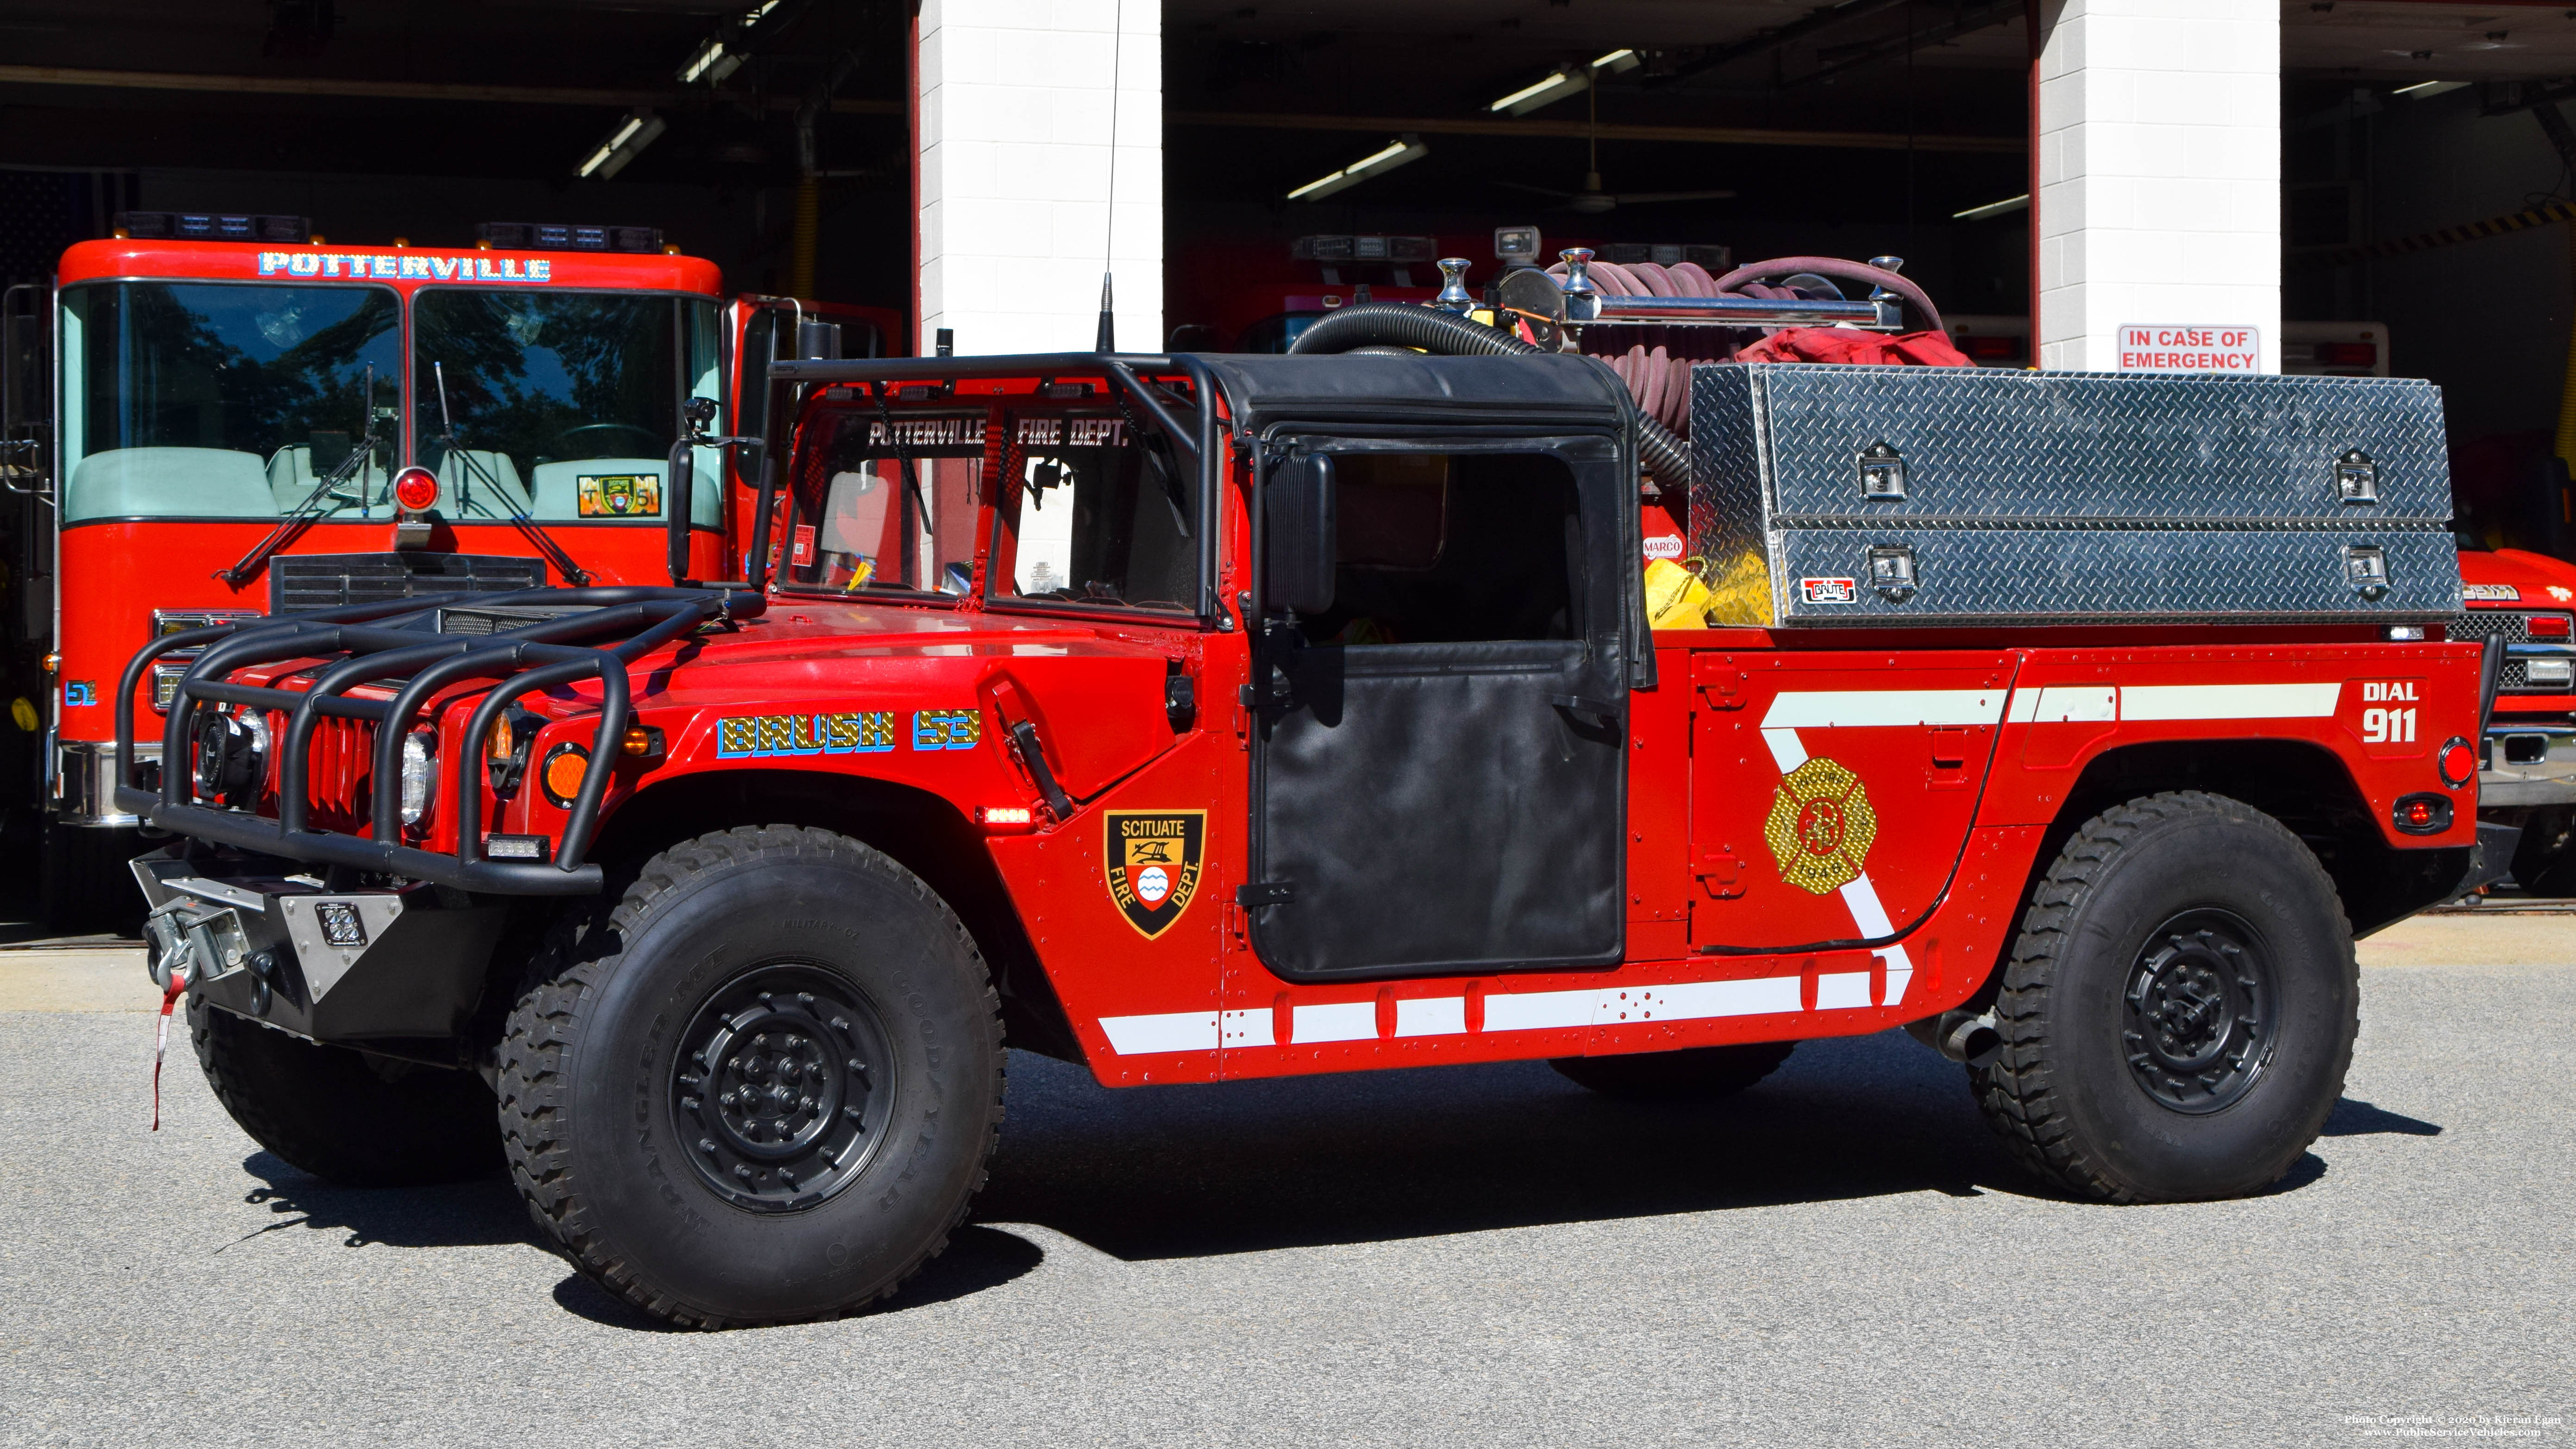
[1592, 200]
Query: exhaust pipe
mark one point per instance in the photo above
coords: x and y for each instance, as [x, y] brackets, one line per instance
[1966, 1037]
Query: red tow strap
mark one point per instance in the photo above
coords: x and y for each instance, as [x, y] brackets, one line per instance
[161, 1045]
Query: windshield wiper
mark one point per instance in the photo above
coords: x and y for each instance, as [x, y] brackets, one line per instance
[574, 574]
[293, 525]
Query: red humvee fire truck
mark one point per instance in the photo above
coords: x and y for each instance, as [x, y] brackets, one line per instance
[1302, 714]
[251, 422]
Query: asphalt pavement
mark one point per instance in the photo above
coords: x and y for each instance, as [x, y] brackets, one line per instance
[1467, 1255]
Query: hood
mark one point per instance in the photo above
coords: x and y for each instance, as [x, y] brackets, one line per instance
[2515, 578]
[1099, 704]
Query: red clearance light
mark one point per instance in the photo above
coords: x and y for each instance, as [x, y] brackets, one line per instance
[2551, 626]
[2459, 763]
[416, 489]
[2347, 354]
[1990, 349]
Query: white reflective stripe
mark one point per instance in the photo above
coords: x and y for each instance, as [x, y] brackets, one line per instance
[1169, 1031]
[1839, 989]
[2025, 702]
[1538, 1010]
[2076, 704]
[1431, 1016]
[1182, 1031]
[1869, 918]
[1338, 1021]
[1695, 1000]
[1863, 708]
[2229, 701]
[1786, 752]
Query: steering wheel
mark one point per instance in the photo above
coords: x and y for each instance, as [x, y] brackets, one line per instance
[653, 447]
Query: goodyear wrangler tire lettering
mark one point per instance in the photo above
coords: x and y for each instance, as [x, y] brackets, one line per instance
[831, 1150]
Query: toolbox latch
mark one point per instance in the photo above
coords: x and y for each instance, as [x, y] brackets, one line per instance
[1891, 572]
[2365, 567]
[1882, 473]
[2356, 478]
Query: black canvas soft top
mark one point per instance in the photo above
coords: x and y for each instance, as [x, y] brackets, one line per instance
[1546, 389]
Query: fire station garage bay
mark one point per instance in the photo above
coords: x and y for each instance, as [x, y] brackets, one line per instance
[2368, 187]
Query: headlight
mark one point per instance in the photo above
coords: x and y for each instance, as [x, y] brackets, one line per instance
[419, 773]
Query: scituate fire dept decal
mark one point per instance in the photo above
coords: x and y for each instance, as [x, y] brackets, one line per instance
[1152, 858]
[1820, 827]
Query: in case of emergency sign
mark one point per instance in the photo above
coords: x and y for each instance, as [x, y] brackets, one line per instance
[2155, 347]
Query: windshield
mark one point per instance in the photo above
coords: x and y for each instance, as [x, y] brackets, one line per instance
[562, 405]
[887, 501]
[223, 400]
[1088, 516]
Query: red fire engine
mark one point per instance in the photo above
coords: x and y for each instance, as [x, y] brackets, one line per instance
[253, 422]
[1302, 714]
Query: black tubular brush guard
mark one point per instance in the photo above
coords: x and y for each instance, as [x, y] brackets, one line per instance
[373, 648]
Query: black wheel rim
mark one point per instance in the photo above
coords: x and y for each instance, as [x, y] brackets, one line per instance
[2200, 1014]
[783, 1087]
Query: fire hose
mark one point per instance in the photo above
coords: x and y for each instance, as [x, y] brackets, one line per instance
[1659, 379]
[1392, 324]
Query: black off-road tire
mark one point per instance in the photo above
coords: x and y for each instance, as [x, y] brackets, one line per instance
[1696, 1074]
[613, 1123]
[342, 1115]
[2179, 1010]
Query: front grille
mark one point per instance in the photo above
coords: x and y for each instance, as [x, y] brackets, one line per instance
[300, 581]
[339, 770]
[2513, 627]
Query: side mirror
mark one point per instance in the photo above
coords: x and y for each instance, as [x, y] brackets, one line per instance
[1298, 536]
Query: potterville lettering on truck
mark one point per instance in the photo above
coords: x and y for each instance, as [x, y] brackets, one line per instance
[415, 266]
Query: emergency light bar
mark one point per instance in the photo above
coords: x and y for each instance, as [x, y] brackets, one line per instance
[1586, 305]
[550, 236]
[213, 226]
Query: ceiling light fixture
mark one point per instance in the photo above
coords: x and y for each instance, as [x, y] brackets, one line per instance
[633, 132]
[1566, 80]
[2426, 90]
[1402, 149]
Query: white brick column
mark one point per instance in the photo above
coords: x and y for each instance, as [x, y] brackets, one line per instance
[1012, 130]
[2159, 159]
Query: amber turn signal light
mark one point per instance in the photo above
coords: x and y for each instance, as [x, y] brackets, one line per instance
[566, 767]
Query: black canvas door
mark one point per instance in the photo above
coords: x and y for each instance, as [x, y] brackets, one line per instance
[1441, 756]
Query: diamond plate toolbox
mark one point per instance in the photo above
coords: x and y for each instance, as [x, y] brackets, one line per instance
[1877, 495]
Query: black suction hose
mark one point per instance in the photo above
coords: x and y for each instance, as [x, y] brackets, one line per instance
[1393, 324]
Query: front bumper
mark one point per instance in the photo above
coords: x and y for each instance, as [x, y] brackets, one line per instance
[82, 782]
[332, 965]
[2528, 761]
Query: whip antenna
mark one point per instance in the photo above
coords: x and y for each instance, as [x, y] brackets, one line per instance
[1105, 339]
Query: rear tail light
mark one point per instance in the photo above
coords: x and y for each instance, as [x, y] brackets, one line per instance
[2423, 814]
[1991, 349]
[2458, 763]
[2347, 354]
